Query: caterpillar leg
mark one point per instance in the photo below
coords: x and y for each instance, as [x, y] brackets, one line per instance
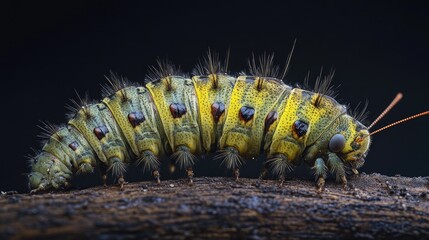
[236, 174]
[336, 166]
[281, 180]
[263, 173]
[151, 163]
[190, 174]
[157, 176]
[121, 182]
[280, 165]
[320, 171]
[356, 164]
[232, 160]
[104, 179]
[185, 159]
[344, 181]
[320, 184]
[118, 169]
[103, 170]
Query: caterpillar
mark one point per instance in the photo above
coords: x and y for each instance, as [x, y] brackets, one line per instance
[238, 117]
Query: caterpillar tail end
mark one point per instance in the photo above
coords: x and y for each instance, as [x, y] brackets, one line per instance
[48, 173]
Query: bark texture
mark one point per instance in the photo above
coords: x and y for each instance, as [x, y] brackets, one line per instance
[375, 206]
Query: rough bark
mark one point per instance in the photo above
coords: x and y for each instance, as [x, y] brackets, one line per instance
[375, 206]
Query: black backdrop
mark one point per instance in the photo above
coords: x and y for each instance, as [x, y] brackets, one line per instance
[49, 49]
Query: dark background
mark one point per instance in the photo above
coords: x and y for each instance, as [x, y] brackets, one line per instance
[50, 49]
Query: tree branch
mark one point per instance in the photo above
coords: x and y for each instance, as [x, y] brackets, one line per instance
[219, 208]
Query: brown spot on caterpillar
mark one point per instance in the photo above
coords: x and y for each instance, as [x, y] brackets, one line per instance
[300, 128]
[218, 109]
[136, 118]
[246, 113]
[270, 119]
[73, 145]
[101, 131]
[177, 110]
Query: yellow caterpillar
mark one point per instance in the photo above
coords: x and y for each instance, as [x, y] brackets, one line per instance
[239, 117]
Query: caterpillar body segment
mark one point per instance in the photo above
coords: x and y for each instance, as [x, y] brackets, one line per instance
[213, 92]
[98, 126]
[301, 123]
[273, 117]
[177, 104]
[134, 111]
[251, 101]
[68, 145]
[306, 132]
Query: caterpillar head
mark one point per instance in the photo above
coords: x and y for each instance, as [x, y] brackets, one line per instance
[352, 142]
[47, 173]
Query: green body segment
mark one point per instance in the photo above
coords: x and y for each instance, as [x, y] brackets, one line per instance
[135, 114]
[68, 141]
[250, 102]
[58, 147]
[65, 152]
[98, 126]
[302, 123]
